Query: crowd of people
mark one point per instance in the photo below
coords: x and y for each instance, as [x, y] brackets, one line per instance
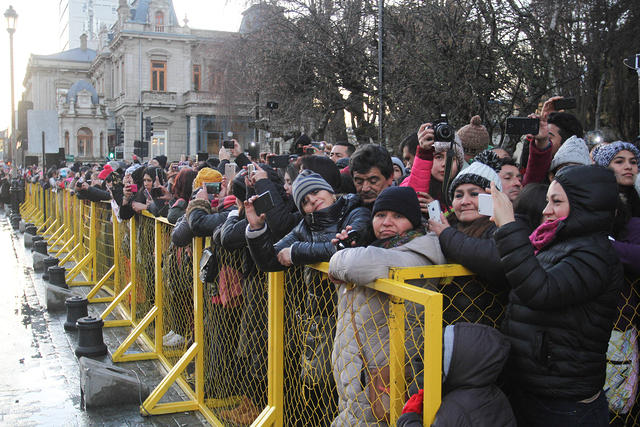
[546, 332]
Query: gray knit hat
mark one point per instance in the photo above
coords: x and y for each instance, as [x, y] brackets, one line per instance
[605, 153]
[574, 150]
[481, 172]
[306, 182]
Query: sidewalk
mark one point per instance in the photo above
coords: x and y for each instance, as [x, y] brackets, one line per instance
[39, 382]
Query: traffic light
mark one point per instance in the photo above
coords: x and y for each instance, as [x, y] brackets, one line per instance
[141, 148]
[148, 131]
[120, 137]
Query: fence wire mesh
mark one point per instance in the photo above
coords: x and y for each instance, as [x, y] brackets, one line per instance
[235, 338]
[621, 385]
[145, 270]
[104, 244]
[177, 283]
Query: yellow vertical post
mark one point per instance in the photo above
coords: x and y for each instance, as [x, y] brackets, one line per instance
[93, 246]
[133, 260]
[432, 357]
[159, 301]
[396, 356]
[198, 314]
[116, 252]
[276, 345]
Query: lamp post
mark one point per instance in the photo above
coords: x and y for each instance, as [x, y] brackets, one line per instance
[11, 16]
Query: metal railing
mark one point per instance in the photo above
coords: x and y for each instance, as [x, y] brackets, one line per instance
[154, 288]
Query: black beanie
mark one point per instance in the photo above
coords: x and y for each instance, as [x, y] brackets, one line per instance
[402, 200]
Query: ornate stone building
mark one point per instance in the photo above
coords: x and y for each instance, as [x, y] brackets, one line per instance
[146, 65]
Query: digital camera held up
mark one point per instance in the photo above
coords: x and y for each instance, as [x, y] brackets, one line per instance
[442, 130]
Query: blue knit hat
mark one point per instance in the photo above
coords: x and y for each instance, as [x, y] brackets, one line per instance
[603, 154]
[306, 182]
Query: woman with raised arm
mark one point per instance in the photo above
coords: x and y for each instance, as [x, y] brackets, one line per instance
[566, 278]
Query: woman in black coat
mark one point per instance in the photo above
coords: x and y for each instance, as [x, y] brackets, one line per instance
[566, 279]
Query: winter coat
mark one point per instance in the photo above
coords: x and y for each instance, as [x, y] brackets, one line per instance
[538, 164]
[371, 313]
[181, 235]
[474, 299]
[474, 356]
[177, 210]
[420, 177]
[563, 302]
[202, 221]
[126, 210]
[310, 240]
[94, 194]
[628, 246]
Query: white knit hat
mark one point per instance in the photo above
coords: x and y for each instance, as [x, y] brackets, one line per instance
[481, 172]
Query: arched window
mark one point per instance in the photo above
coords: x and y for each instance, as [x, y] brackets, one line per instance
[66, 143]
[159, 22]
[85, 142]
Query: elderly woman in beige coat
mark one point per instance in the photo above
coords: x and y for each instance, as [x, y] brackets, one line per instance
[361, 345]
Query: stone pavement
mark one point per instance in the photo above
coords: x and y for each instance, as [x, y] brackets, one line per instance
[39, 381]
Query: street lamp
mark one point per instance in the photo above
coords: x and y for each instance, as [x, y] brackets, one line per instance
[11, 16]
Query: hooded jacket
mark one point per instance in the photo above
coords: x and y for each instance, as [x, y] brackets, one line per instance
[563, 302]
[370, 309]
[473, 358]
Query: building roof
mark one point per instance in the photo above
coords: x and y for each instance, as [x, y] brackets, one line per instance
[77, 55]
[72, 93]
[140, 10]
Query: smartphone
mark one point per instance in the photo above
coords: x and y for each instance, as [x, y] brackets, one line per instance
[485, 204]
[352, 236]
[310, 151]
[565, 104]
[230, 171]
[213, 187]
[279, 162]
[251, 169]
[133, 188]
[156, 192]
[522, 126]
[175, 168]
[228, 144]
[263, 203]
[434, 211]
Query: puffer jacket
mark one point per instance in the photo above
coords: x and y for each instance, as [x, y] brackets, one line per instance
[370, 314]
[563, 303]
[310, 240]
[480, 299]
[474, 356]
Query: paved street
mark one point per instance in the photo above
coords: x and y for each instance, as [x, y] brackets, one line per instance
[39, 381]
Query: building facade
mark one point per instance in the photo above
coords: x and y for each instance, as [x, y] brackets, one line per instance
[146, 65]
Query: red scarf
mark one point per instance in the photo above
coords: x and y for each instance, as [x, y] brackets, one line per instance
[545, 233]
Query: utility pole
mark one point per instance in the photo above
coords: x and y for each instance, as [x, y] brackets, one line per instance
[633, 62]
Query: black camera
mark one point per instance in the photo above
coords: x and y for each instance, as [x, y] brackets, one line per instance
[442, 130]
[352, 236]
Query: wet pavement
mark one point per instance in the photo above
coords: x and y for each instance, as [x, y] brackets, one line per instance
[40, 378]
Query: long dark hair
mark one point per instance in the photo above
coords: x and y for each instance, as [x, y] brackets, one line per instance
[183, 186]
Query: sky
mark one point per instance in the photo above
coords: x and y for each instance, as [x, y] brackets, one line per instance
[37, 33]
